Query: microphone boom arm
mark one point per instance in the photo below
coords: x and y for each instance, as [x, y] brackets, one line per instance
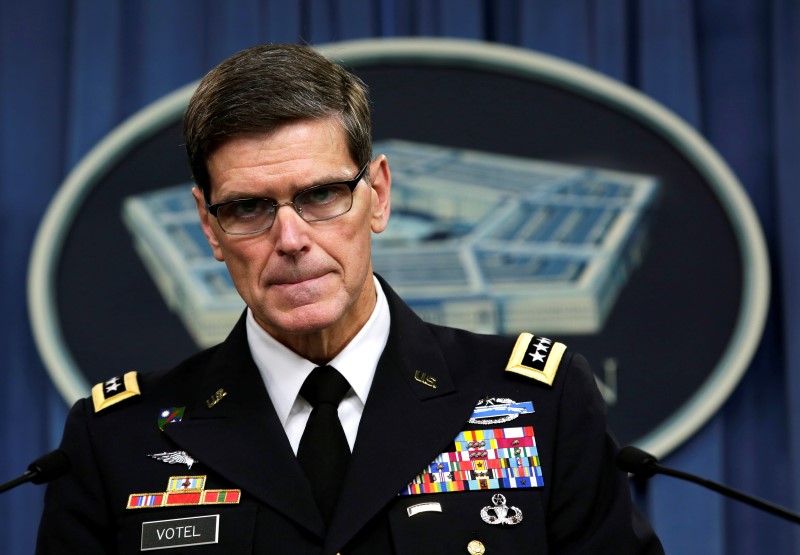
[733, 493]
[643, 465]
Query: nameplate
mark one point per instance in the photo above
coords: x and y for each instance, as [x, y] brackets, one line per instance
[180, 532]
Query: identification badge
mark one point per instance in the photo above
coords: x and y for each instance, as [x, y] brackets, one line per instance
[180, 532]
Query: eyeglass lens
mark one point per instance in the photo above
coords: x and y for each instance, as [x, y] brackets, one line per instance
[315, 204]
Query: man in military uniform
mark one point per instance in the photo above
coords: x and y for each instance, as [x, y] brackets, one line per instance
[332, 419]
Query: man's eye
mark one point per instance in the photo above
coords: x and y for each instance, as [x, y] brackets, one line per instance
[320, 195]
[248, 207]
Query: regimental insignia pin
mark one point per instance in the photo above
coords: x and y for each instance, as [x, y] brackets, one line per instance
[425, 379]
[175, 457]
[494, 410]
[216, 398]
[500, 513]
[183, 491]
[168, 415]
[114, 390]
[536, 357]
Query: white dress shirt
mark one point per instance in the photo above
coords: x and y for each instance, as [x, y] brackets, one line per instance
[284, 372]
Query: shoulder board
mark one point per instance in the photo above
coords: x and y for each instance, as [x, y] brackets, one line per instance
[536, 357]
[114, 390]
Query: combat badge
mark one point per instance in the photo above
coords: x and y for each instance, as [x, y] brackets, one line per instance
[536, 357]
[175, 457]
[114, 390]
[495, 410]
[501, 513]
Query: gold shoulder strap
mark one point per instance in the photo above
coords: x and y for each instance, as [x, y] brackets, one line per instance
[114, 390]
[536, 357]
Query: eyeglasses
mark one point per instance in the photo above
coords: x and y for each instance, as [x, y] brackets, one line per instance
[246, 216]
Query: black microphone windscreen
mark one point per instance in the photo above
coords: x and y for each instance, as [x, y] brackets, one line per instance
[634, 460]
[49, 467]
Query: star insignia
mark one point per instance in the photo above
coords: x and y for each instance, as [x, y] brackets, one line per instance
[112, 384]
[537, 356]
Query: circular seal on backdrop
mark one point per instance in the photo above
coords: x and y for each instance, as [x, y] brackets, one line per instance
[529, 195]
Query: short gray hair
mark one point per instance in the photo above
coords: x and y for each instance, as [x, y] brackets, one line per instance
[263, 87]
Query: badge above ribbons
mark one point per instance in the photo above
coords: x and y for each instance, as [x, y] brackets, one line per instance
[497, 458]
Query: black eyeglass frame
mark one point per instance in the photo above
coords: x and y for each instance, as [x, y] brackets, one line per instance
[350, 183]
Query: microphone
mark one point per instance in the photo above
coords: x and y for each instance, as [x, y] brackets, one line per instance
[641, 463]
[45, 468]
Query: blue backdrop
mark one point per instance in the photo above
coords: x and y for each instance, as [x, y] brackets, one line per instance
[72, 70]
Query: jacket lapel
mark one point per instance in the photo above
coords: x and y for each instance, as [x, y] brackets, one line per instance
[407, 421]
[241, 438]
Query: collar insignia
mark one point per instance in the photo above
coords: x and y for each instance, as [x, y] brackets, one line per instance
[425, 379]
[216, 398]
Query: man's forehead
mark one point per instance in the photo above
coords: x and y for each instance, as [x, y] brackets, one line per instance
[297, 155]
[328, 129]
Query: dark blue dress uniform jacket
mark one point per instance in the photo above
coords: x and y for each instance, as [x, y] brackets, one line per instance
[584, 506]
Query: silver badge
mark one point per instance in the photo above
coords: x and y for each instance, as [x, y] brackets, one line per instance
[175, 457]
[501, 513]
[495, 410]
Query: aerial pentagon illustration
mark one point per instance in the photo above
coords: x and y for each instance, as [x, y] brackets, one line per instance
[477, 240]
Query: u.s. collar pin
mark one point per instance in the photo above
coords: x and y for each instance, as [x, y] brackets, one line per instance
[216, 398]
[425, 379]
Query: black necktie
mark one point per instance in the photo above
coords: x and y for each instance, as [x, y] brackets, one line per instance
[323, 452]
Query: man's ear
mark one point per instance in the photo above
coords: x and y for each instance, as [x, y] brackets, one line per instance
[381, 184]
[205, 221]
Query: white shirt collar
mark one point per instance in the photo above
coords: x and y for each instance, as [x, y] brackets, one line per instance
[284, 371]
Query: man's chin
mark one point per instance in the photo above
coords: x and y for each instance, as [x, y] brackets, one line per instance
[300, 320]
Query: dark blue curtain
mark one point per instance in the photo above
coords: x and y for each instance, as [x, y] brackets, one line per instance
[72, 70]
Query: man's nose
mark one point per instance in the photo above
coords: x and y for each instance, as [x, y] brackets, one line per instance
[289, 229]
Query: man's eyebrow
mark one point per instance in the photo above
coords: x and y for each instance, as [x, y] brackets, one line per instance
[230, 196]
[326, 180]
[331, 179]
